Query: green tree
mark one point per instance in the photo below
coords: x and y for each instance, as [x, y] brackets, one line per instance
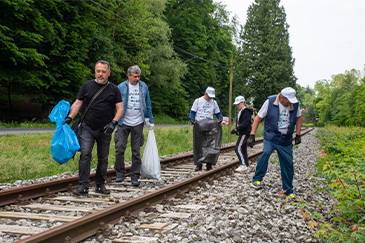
[266, 57]
[202, 36]
[21, 32]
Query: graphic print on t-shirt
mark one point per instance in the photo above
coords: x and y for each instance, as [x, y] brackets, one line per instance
[206, 109]
[133, 114]
[283, 123]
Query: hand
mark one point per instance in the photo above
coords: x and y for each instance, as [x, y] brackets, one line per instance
[147, 121]
[109, 128]
[192, 121]
[251, 140]
[234, 131]
[68, 120]
[298, 140]
[220, 119]
[152, 126]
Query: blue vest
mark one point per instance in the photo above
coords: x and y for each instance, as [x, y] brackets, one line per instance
[271, 131]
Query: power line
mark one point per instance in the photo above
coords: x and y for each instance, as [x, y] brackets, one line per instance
[154, 36]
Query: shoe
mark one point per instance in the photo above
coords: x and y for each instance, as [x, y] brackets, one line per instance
[198, 167]
[119, 178]
[134, 181]
[256, 185]
[209, 166]
[242, 168]
[102, 190]
[81, 191]
[291, 197]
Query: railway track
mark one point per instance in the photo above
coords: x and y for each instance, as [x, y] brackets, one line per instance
[47, 212]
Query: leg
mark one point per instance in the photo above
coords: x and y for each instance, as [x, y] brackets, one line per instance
[241, 149]
[120, 139]
[136, 136]
[263, 161]
[103, 145]
[87, 141]
[285, 154]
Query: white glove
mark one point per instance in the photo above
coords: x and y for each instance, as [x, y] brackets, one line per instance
[147, 121]
[152, 126]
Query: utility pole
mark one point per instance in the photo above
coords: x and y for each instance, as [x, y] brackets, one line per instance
[230, 100]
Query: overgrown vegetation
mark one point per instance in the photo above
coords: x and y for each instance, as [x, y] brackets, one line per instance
[341, 163]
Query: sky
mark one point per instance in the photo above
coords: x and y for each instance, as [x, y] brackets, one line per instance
[327, 36]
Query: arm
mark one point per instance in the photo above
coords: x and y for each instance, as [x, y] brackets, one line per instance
[75, 108]
[192, 115]
[120, 110]
[255, 124]
[219, 115]
[149, 107]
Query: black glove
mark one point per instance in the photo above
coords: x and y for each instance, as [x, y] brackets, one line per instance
[109, 128]
[234, 131]
[192, 121]
[251, 141]
[220, 119]
[298, 140]
[68, 120]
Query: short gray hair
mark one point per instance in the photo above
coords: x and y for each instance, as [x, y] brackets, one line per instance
[134, 69]
[103, 62]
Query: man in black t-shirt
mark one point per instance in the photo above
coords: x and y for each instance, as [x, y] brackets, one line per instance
[97, 126]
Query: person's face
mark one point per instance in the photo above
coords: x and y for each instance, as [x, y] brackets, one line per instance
[101, 73]
[284, 101]
[241, 105]
[134, 78]
[206, 96]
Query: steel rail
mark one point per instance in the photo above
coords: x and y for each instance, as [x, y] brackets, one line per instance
[22, 194]
[90, 225]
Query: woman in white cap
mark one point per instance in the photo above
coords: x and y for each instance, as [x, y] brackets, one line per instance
[243, 129]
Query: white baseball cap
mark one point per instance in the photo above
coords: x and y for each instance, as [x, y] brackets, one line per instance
[211, 92]
[239, 99]
[289, 93]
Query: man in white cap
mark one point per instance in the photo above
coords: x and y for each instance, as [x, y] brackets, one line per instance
[282, 114]
[204, 108]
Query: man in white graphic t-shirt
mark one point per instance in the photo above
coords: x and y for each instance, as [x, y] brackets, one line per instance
[204, 108]
[137, 111]
[282, 114]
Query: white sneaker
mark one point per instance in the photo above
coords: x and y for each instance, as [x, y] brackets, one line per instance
[242, 168]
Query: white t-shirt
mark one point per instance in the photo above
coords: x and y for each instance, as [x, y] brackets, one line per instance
[283, 122]
[204, 109]
[133, 114]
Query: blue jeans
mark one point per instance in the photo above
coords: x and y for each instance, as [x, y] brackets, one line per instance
[87, 141]
[121, 139]
[285, 154]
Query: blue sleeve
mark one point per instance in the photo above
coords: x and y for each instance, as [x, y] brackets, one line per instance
[219, 115]
[192, 115]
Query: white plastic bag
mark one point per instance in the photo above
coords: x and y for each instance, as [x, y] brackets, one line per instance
[151, 167]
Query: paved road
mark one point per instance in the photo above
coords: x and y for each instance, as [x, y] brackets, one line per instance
[52, 130]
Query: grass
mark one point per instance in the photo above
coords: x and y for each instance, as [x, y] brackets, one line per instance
[28, 156]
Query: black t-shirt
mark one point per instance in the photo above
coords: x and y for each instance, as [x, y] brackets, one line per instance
[102, 109]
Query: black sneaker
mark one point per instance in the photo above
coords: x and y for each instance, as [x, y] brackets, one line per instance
[134, 181]
[119, 178]
[209, 166]
[102, 190]
[198, 167]
[81, 191]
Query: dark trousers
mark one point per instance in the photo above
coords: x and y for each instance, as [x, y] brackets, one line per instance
[241, 149]
[285, 154]
[87, 141]
[121, 139]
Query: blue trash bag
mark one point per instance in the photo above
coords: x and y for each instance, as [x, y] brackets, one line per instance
[64, 143]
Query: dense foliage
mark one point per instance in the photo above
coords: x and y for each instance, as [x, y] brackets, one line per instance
[342, 164]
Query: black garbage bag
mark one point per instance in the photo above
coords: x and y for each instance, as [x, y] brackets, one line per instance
[207, 140]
